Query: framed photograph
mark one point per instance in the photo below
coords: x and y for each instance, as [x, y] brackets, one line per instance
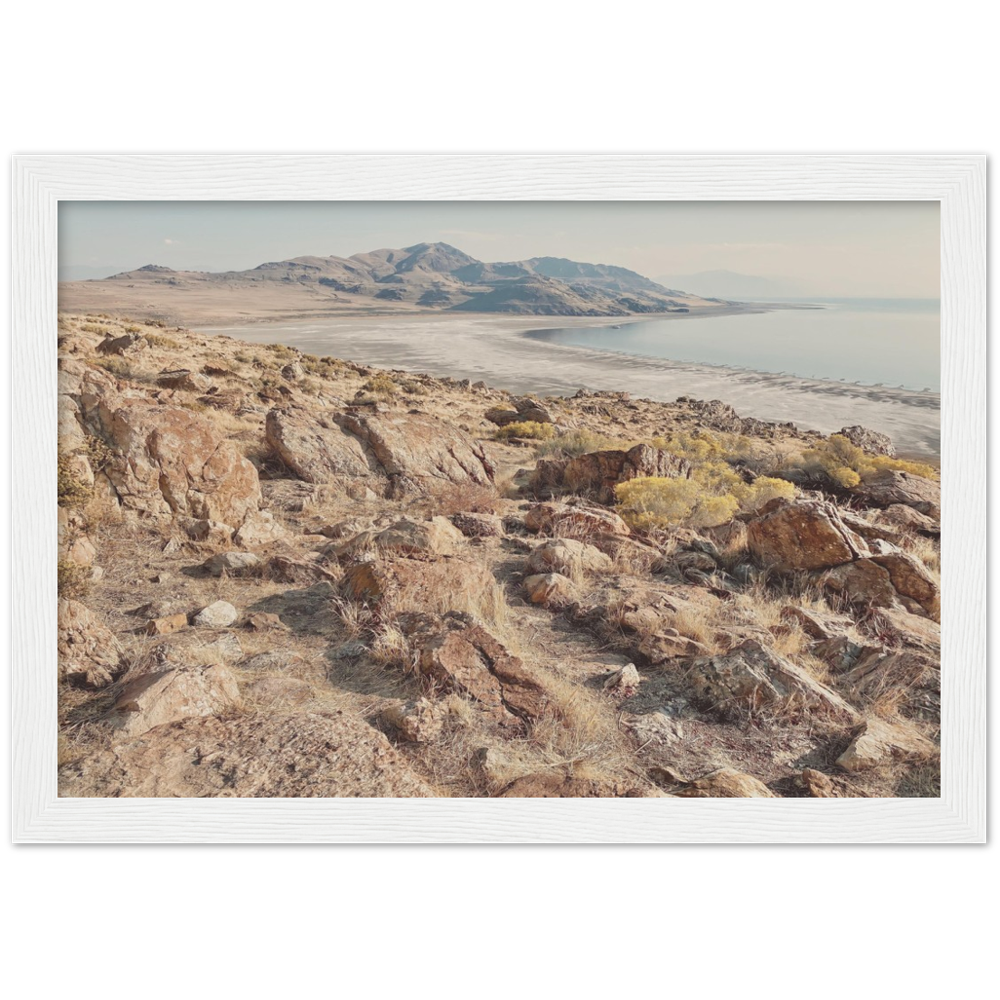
[511, 498]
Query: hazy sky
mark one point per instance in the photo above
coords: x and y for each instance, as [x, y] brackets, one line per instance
[879, 249]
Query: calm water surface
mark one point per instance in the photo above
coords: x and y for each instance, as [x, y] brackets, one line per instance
[894, 342]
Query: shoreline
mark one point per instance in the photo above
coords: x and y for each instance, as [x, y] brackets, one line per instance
[499, 351]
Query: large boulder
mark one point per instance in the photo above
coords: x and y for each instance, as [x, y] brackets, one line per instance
[871, 441]
[889, 578]
[415, 585]
[473, 662]
[888, 487]
[752, 676]
[598, 473]
[403, 448]
[270, 755]
[571, 521]
[803, 535]
[875, 742]
[156, 698]
[89, 653]
[436, 537]
[314, 446]
[568, 557]
[169, 459]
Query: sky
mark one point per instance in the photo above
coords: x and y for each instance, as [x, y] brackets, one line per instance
[849, 249]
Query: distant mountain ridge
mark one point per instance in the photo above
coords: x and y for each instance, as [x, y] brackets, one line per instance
[425, 276]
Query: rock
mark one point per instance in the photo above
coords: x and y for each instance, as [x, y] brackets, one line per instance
[436, 537]
[420, 448]
[412, 585]
[668, 644]
[311, 443]
[725, 783]
[901, 518]
[751, 676]
[817, 625]
[89, 653]
[217, 615]
[475, 525]
[157, 698]
[598, 473]
[862, 583]
[532, 410]
[817, 785]
[260, 528]
[914, 673]
[79, 467]
[172, 460]
[191, 648]
[280, 659]
[412, 448]
[284, 569]
[567, 521]
[910, 578]
[699, 562]
[74, 544]
[232, 564]
[502, 415]
[549, 785]
[874, 742]
[887, 487]
[471, 661]
[184, 379]
[166, 624]
[293, 372]
[568, 557]
[623, 683]
[415, 721]
[550, 589]
[344, 529]
[279, 692]
[305, 754]
[265, 621]
[890, 578]
[803, 535]
[124, 346]
[209, 532]
[871, 441]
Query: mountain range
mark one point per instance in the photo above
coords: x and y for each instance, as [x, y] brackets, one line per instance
[423, 277]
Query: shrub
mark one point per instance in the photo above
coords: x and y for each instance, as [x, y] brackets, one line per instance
[525, 429]
[118, 367]
[72, 580]
[844, 477]
[657, 502]
[72, 492]
[580, 441]
[837, 457]
[381, 386]
[158, 340]
[763, 489]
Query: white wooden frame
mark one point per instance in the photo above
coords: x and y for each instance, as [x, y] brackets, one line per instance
[958, 182]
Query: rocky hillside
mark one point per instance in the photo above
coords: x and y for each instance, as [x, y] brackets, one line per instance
[284, 575]
[425, 277]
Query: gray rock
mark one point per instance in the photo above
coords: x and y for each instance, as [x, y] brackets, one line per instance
[217, 615]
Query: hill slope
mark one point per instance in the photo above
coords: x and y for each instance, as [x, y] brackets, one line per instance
[422, 277]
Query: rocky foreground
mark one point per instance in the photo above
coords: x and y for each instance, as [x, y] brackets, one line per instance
[283, 575]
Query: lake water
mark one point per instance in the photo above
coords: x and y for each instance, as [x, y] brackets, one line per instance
[894, 342]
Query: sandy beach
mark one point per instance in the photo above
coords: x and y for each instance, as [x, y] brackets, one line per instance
[496, 350]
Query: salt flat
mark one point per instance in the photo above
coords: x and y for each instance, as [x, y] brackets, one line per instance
[494, 349]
